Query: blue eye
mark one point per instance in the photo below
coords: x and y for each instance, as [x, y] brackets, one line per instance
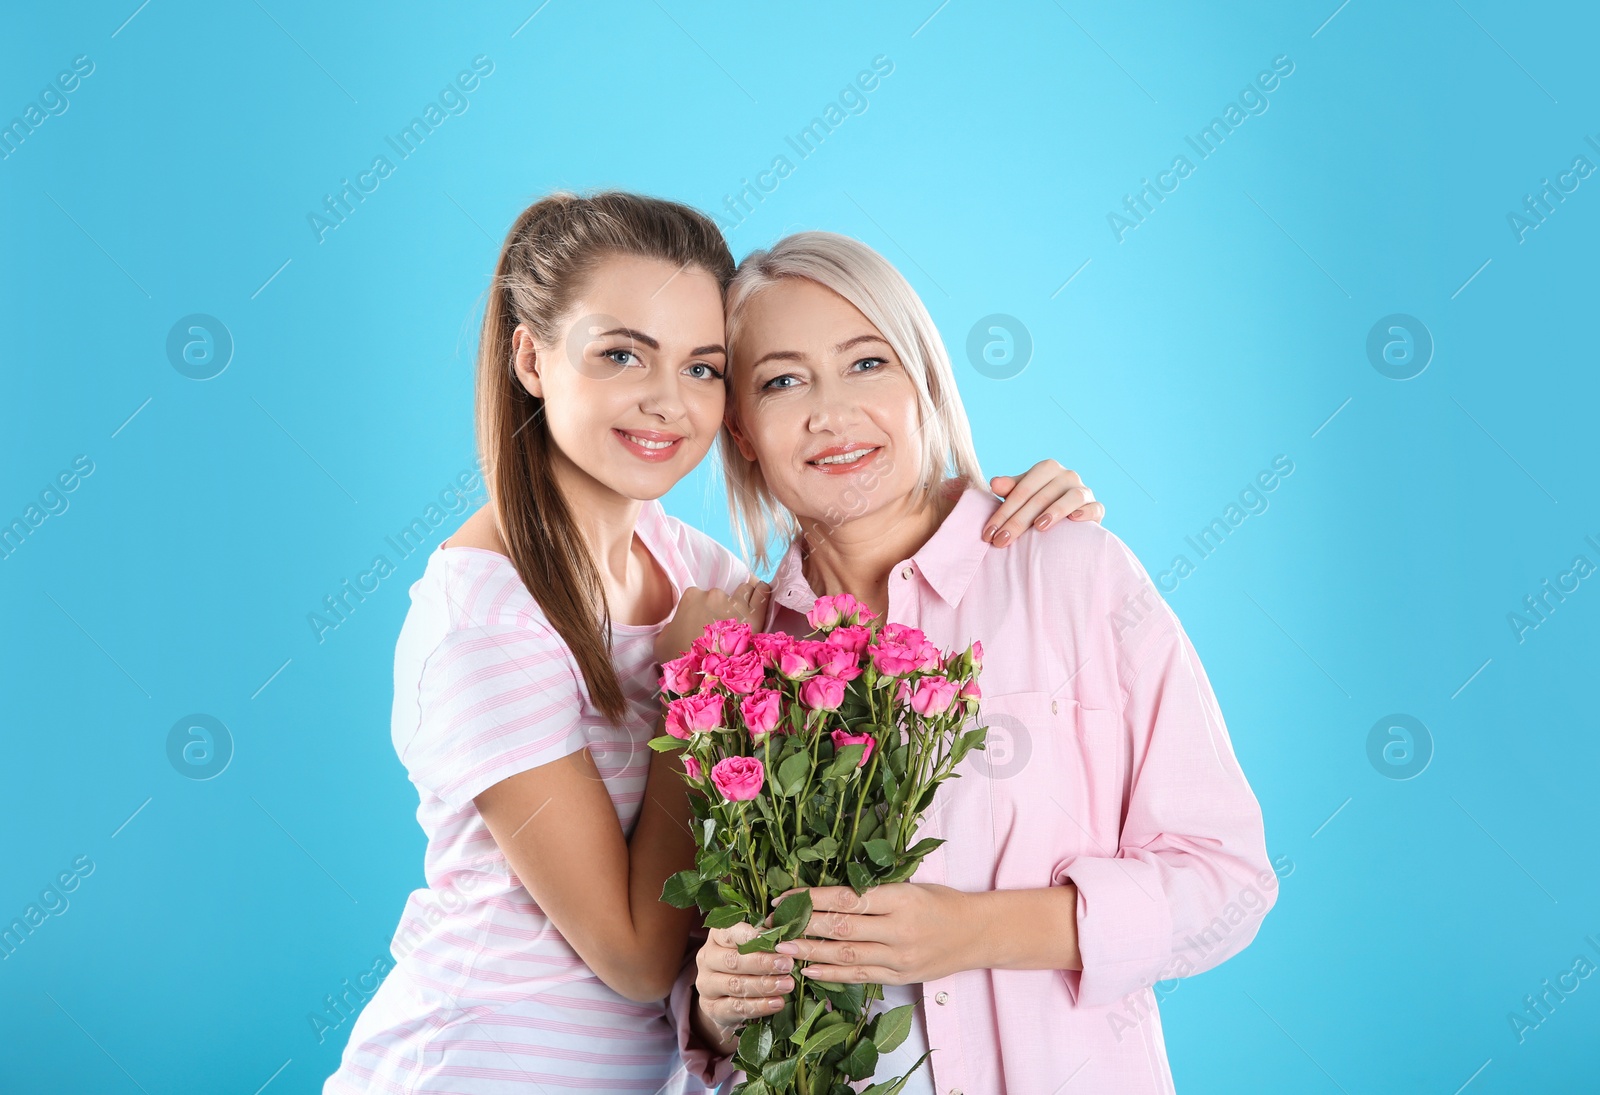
[612, 354]
[873, 360]
[708, 374]
[773, 383]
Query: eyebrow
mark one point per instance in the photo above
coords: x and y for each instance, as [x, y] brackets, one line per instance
[795, 355]
[640, 336]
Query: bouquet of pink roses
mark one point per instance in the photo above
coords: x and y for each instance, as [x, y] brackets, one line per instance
[813, 761]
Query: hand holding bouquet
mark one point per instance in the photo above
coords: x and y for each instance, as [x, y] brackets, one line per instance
[812, 761]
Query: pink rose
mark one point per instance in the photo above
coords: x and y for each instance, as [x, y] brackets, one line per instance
[842, 738]
[822, 693]
[692, 766]
[838, 609]
[977, 654]
[761, 710]
[769, 645]
[742, 673]
[902, 633]
[725, 637]
[701, 711]
[839, 662]
[969, 691]
[794, 665]
[853, 638]
[681, 675]
[932, 695]
[931, 661]
[893, 659]
[738, 778]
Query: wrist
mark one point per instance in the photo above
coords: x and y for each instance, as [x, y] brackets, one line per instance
[719, 1039]
[985, 944]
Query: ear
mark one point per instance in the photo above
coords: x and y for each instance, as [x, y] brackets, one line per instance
[730, 419]
[526, 362]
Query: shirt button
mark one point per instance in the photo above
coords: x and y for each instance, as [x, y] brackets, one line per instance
[941, 997]
[1055, 707]
[906, 574]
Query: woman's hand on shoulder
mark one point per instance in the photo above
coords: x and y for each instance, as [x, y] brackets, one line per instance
[699, 607]
[1041, 496]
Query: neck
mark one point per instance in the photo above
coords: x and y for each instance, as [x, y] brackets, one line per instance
[605, 519]
[856, 557]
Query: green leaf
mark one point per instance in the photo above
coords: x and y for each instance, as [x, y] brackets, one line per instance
[828, 846]
[891, 1028]
[793, 914]
[861, 1061]
[714, 864]
[814, 1008]
[861, 879]
[880, 852]
[825, 1038]
[846, 762]
[792, 774]
[766, 942]
[924, 846]
[780, 1074]
[753, 1087]
[726, 916]
[902, 872]
[847, 999]
[667, 742]
[681, 889]
[779, 879]
[755, 1042]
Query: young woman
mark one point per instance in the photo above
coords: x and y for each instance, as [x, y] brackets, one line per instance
[539, 954]
[1108, 840]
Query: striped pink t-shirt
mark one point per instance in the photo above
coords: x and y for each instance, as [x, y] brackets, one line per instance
[486, 995]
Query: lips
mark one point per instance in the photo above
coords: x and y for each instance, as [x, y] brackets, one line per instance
[650, 445]
[843, 459]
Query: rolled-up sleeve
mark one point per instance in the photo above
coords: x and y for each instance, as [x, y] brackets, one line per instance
[1190, 880]
[699, 1061]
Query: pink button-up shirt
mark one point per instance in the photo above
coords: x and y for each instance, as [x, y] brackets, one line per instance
[1108, 765]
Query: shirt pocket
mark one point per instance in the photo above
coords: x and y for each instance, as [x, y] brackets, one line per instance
[1055, 770]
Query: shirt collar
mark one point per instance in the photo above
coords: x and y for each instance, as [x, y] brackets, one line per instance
[947, 561]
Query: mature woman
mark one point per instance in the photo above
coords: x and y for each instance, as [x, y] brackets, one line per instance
[1107, 839]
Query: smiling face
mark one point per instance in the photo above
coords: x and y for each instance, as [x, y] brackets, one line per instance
[632, 384]
[824, 404]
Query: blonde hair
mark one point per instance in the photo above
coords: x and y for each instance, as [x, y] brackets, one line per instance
[881, 293]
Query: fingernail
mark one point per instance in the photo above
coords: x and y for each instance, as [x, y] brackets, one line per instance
[988, 534]
[1043, 522]
[1003, 539]
[787, 948]
[786, 985]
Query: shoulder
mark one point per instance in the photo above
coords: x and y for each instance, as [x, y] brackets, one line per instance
[1086, 565]
[707, 562]
[467, 586]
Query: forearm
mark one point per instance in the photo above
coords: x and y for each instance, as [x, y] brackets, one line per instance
[1027, 929]
[661, 845]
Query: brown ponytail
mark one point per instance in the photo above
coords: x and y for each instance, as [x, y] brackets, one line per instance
[545, 264]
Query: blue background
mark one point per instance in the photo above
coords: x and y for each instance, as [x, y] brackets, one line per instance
[1228, 328]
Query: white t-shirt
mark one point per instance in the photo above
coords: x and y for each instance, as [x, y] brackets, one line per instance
[486, 995]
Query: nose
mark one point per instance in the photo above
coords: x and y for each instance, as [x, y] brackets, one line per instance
[830, 409]
[663, 396]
